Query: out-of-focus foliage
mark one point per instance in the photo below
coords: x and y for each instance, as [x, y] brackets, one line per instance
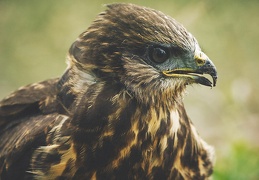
[239, 164]
[35, 36]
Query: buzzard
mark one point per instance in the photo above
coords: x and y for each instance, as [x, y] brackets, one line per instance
[117, 111]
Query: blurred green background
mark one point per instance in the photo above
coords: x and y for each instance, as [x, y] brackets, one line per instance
[35, 37]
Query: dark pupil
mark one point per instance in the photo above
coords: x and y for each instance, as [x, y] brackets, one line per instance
[159, 55]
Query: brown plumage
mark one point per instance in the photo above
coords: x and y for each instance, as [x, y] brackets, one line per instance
[117, 112]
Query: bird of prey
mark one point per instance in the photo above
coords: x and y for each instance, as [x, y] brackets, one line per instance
[117, 111]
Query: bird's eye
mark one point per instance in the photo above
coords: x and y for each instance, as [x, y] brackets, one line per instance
[158, 54]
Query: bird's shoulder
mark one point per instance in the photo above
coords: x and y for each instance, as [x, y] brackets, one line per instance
[29, 100]
[26, 117]
[33, 126]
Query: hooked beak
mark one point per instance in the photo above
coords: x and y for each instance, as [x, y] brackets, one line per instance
[195, 75]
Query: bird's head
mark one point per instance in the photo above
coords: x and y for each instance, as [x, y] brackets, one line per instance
[145, 50]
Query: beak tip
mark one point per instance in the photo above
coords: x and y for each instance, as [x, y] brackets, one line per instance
[209, 68]
[214, 78]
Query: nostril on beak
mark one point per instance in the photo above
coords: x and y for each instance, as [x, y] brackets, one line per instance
[199, 61]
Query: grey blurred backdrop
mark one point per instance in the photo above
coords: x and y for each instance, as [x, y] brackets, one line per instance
[36, 35]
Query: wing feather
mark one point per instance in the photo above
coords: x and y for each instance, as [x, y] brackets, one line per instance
[28, 100]
[26, 117]
[26, 96]
[19, 142]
